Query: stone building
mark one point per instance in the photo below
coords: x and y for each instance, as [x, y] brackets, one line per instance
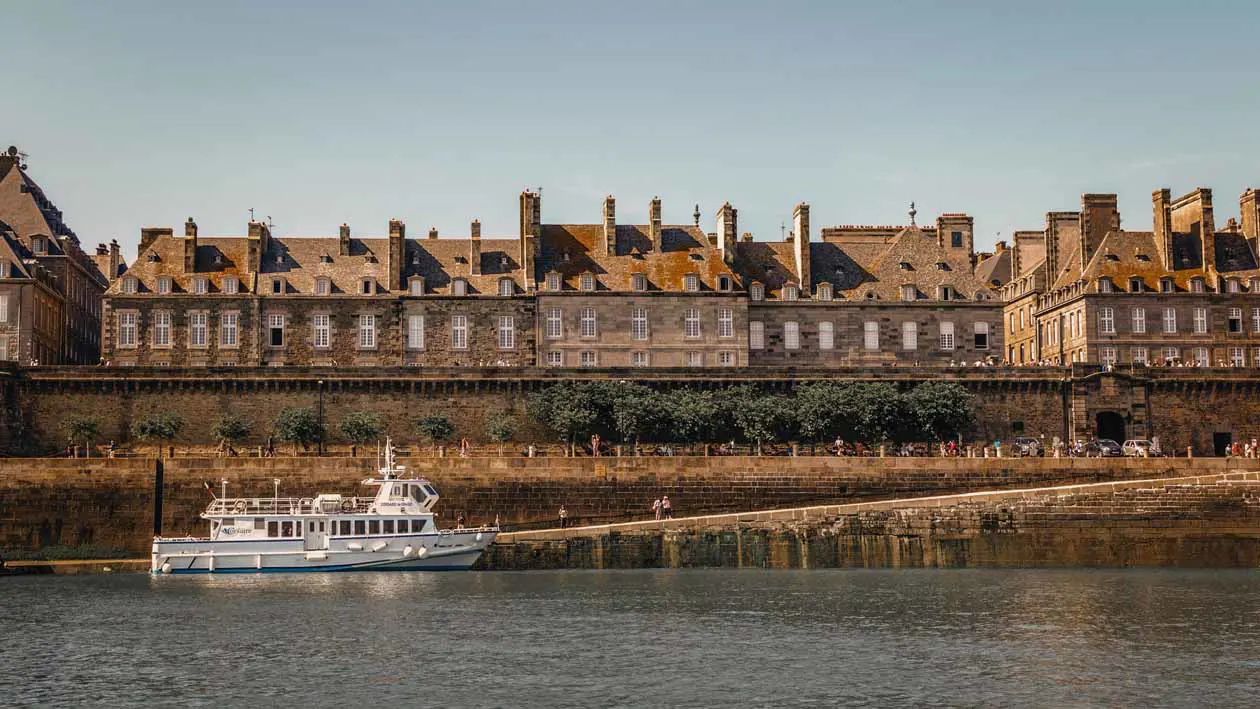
[1183, 293]
[78, 284]
[30, 305]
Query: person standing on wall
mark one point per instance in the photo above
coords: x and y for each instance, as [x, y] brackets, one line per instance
[656, 508]
[564, 516]
[667, 508]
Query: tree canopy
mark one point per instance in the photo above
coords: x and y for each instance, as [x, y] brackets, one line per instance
[163, 426]
[297, 425]
[361, 427]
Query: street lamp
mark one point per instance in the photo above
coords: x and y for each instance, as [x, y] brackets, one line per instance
[321, 417]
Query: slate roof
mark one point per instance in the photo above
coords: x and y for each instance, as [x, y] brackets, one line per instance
[996, 267]
[1123, 255]
[684, 250]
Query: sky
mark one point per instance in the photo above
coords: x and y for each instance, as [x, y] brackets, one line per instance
[317, 113]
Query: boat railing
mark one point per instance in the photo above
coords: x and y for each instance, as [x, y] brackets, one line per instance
[256, 506]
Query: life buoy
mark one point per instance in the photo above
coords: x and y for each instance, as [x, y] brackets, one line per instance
[239, 507]
[347, 506]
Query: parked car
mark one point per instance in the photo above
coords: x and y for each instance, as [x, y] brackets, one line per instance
[1107, 448]
[1027, 446]
[1139, 448]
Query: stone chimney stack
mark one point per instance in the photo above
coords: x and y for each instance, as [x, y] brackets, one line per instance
[397, 253]
[148, 235]
[433, 232]
[609, 240]
[530, 235]
[474, 254]
[343, 240]
[115, 260]
[800, 246]
[654, 224]
[259, 241]
[1161, 208]
[727, 231]
[1099, 215]
[1249, 206]
[190, 246]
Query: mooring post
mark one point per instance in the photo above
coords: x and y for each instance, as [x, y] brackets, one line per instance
[157, 496]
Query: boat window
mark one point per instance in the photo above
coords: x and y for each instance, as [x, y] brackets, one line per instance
[286, 528]
[417, 526]
[360, 527]
[321, 526]
[402, 526]
[389, 526]
[345, 527]
[273, 529]
[312, 528]
[260, 523]
[430, 490]
[374, 527]
[416, 494]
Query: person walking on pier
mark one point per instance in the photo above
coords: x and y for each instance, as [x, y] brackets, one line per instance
[564, 516]
[666, 508]
[656, 508]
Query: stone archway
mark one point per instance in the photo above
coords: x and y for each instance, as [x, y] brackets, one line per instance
[1110, 424]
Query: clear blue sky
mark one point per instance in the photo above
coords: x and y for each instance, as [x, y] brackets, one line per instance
[317, 113]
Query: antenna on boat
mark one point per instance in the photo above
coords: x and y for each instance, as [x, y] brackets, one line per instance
[276, 500]
[224, 482]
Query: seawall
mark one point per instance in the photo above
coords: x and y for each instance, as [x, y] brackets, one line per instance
[108, 504]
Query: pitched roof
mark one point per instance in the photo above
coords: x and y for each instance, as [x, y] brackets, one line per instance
[574, 249]
[996, 267]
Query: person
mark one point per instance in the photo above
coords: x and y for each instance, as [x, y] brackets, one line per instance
[463, 447]
[564, 515]
[595, 445]
[656, 508]
[667, 508]
[459, 522]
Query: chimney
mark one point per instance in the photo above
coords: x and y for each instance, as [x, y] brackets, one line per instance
[1249, 206]
[115, 259]
[746, 237]
[530, 235]
[1099, 215]
[1192, 214]
[343, 241]
[1161, 207]
[433, 232]
[956, 230]
[474, 255]
[1208, 230]
[190, 246]
[1062, 230]
[609, 245]
[102, 250]
[148, 235]
[800, 246]
[727, 229]
[397, 253]
[654, 224]
[259, 241]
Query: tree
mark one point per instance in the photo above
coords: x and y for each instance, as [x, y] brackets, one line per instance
[230, 428]
[760, 417]
[569, 409]
[499, 428]
[940, 410]
[298, 426]
[637, 413]
[82, 429]
[361, 427]
[821, 411]
[692, 416]
[436, 428]
[157, 427]
[876, 410]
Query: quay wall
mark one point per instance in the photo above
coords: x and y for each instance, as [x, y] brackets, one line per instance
[1208, 521]
[108, 503]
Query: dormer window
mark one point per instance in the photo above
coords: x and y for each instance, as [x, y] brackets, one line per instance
[942, 266]
[824, 291]
[279, 259]
[980, 295]
[6, 269]
[415, 258]
[218, 259]
[587, 282]
[944, 293]
[1136, 285]
[164, 285]
[1254, 285]
[757, 292]
[367, 286]
[1104, 285]
[200, 286]
[691, 283]
[1111, 257]
[1197, 285]
[459, 287]
[277, 286]
[909, 292]
[39, 245]
[904, 265]
[231, 286]
[724, 283]
[638, 282]
[506, 287]
[1166, 285]
[153, 257]
[323, 286]
[791, 292]
[1233, 286]
[130, 286]
[415, 286]
[553, 282]
[1143, 258]
[325, 259]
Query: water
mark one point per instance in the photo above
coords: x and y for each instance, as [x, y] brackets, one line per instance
[631, 638]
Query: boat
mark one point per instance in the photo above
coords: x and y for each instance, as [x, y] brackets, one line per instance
[393, 530]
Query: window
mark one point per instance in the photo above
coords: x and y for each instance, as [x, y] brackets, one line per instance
[1171, 354]
[1235, 320]
[956, 239]
[1138, 355]
[231, 286]
[726, 322]
[587, 282]
[944, 293]
[403, 526]
[947, 335]
[1166, 285]
[1170, 320]
[367, 332]
[1139, 320]
[826, 336]
[724, 283]
[387, 526]
[1255, 319]
[1200, 321]
[1201, 356]
[360, 527]
[1196, 285]
[553, 282]
[321, 330]
[1135, 285]
[164, 285]
[909, 293]
[507, 332]
[755, 292]
[1107, 355]
[162, 329]
[1237, 357]
[200, 286]
[870, 335]
[691, 283]
[756, 335]
[587, 322]
[552, 324]
[197, 329]
[1107, 321]
[459, 287]
[1104, 285]
[1011, 318]
[791, 335]
[587, 358]
[415, 332]
[1233, 286]
[726, 359]
[506, 287]
[130, 286]
[1023, 318]
[459, 332]
[228, 323]
[791, 292]
[639, 359]
[695, 359]
[323, 286]
[367, 286]
[638, 282]
[555, 358]
[416, 286]
[909, 336]
[638, 324]
[277, 286]
[691, 323]
[1255, 356]
[981, 335]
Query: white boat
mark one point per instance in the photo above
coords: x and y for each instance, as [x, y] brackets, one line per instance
[394, 530]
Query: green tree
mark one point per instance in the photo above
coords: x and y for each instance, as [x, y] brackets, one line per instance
[81, 429]
[157, 427]
[298, 426]
[692, 416]
[436, 428]
[821, 411]
[361, 427]
[230, 428]
[876, 410]
[568, 408]
[940, 411]
[637, 413]
[760, 417]
[499, 428]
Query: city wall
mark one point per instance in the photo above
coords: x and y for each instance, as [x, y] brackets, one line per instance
[108, 503]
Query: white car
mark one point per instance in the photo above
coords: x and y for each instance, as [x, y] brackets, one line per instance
[1139, 448]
